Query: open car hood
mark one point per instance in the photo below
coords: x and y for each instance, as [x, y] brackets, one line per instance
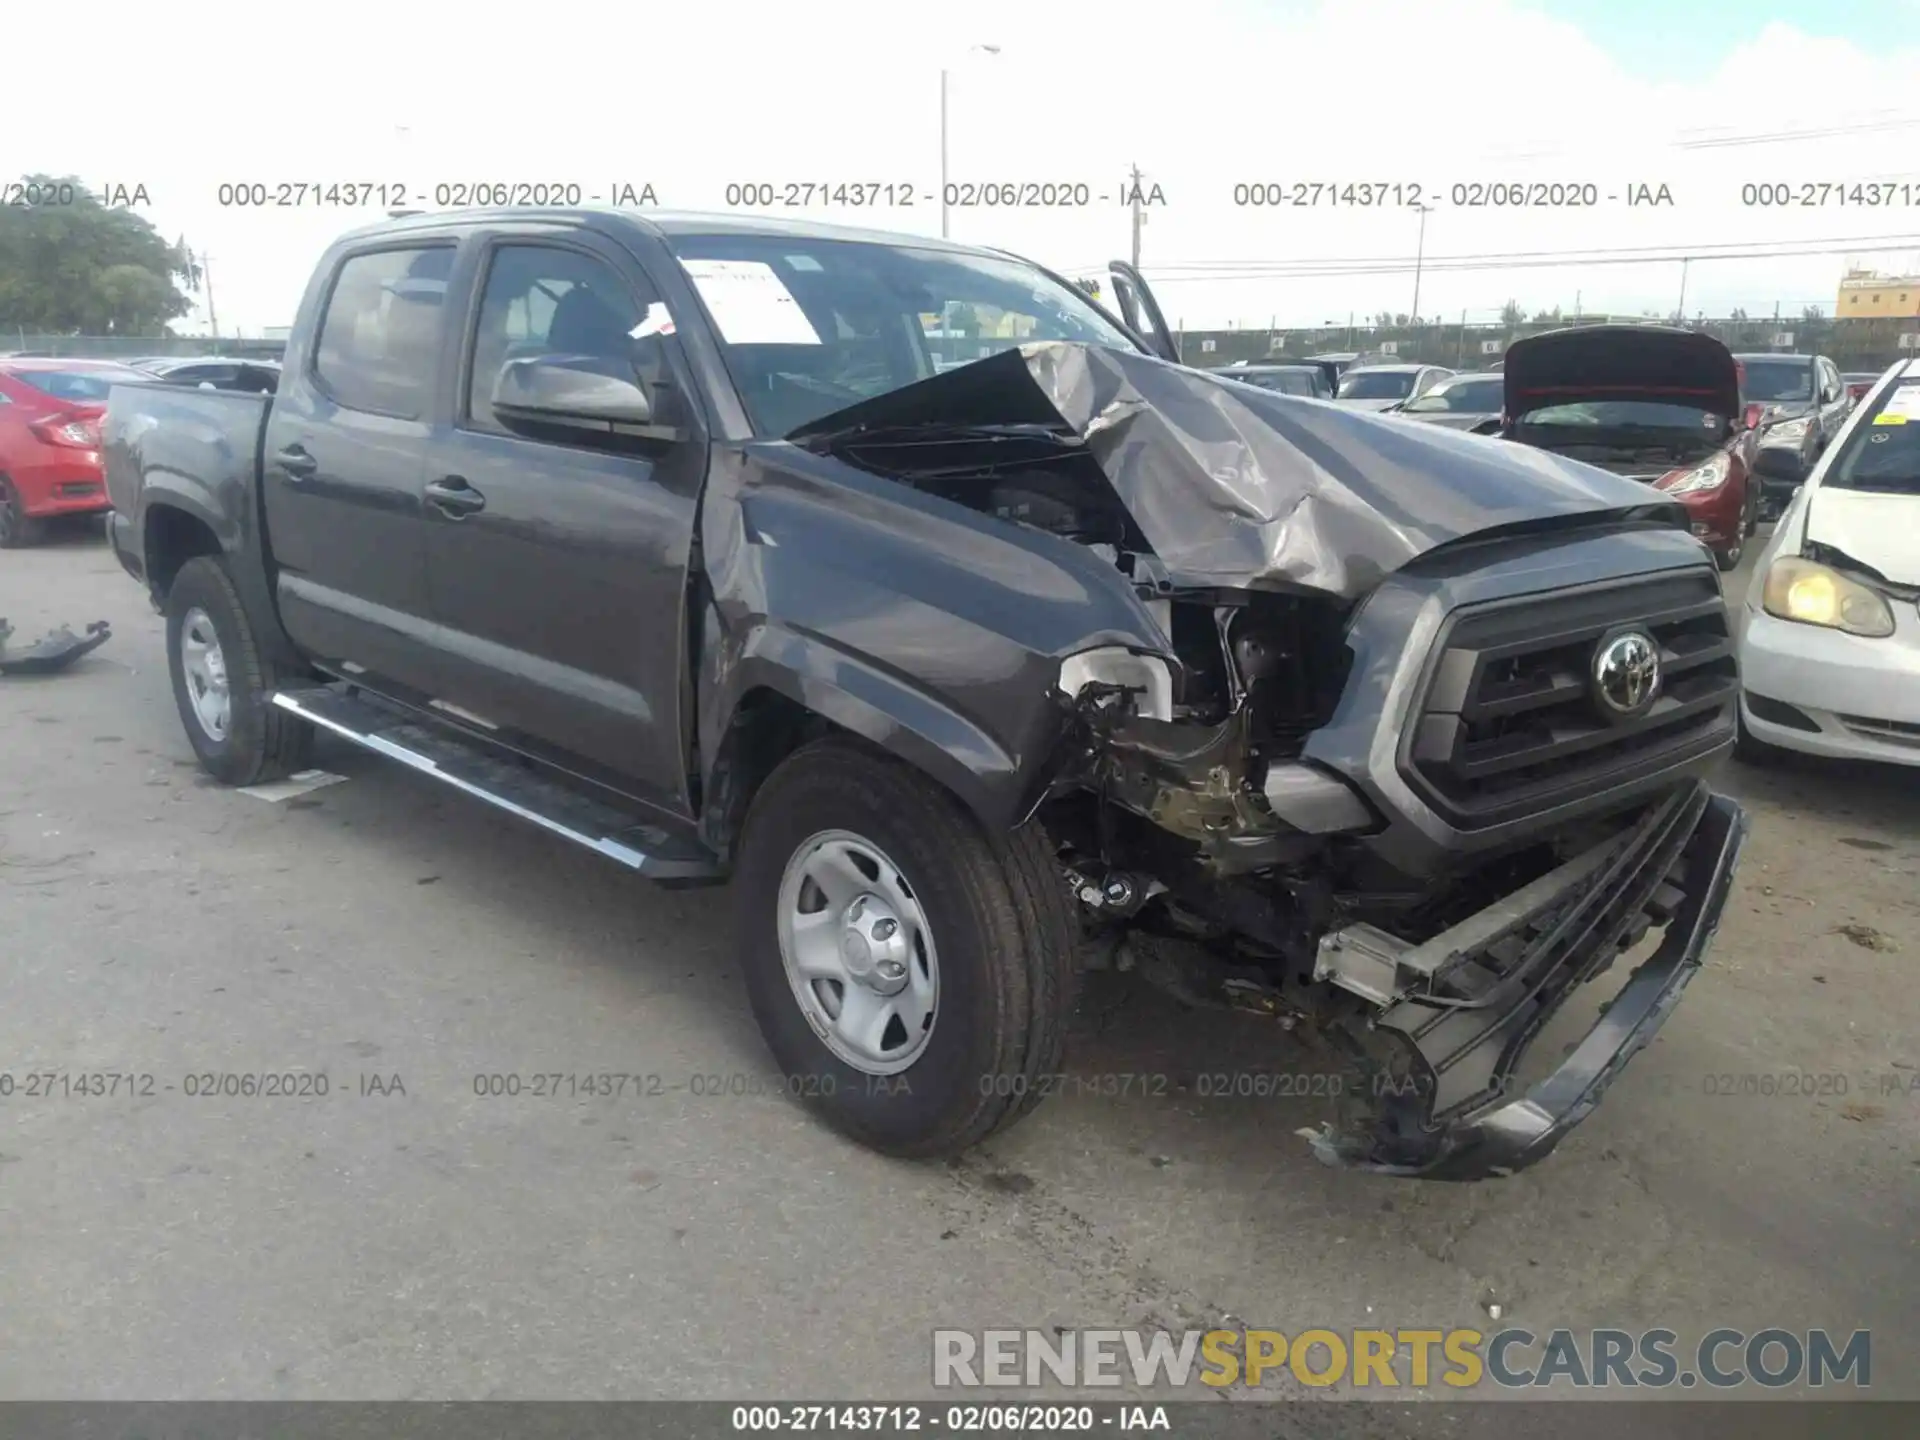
[1244, 488]
[1876, 529]
[1621, 362]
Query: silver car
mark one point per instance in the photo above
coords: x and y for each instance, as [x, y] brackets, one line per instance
[1376, 387]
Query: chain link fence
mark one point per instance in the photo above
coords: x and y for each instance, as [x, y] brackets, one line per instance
[1858, 345]
[19, 342]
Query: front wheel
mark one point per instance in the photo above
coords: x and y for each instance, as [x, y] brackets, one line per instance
[911, 973]
[223, 684]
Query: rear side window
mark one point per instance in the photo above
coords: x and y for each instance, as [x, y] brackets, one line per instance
[380, 338]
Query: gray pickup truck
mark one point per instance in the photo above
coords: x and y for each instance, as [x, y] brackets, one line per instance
[974, 640]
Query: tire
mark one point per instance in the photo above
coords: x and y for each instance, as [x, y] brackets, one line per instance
[258, 741]
[1727, 557]
[17, 528]
[1002, 936]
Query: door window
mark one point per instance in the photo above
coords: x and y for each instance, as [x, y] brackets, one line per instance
[379, 343]
[543, 300]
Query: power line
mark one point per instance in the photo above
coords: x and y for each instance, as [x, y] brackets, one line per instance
[1308, 270]
[1752, 249]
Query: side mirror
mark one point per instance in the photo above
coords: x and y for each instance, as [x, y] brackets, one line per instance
[575, 392]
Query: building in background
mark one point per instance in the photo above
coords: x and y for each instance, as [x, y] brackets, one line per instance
[1865, 295]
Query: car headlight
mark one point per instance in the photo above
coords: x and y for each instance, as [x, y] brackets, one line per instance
[1788, 432]
[1814, 594]
[1709, 476]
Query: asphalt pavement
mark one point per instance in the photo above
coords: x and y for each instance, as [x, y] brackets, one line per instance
[413, 1234]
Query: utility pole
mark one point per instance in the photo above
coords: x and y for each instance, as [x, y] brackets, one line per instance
[1139, 214]
[1419, 255]
[206, 279]
[946, 218]
[1681, 309]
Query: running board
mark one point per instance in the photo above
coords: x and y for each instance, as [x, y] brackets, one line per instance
[654, 852]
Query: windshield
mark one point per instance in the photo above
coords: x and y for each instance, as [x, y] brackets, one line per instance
[1477, 397]
[813, 326]
[1625, 415]
[1376, 385]
[1769, 381]
[1883, 452]
[1287, 382]
[83, 386]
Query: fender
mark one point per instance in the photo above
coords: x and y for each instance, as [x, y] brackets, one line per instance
[932, 630]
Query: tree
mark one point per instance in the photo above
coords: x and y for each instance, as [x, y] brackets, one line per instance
[1547, 317]
[1383, 321]
[84, 267]
[1813, 314]
[1511, 314]
[1739, 314]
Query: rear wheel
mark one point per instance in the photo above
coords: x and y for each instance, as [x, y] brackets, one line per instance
[223, 685]
[17, 528]
[911, 973]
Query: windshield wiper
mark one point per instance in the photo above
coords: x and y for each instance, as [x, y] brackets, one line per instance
[933, 433]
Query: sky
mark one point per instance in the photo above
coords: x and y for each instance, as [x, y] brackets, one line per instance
[1704, 98]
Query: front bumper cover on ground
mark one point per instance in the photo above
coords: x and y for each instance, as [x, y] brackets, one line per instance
[57, 651]
[1695, 848]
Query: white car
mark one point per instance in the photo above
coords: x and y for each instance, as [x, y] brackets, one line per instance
[1830, 639]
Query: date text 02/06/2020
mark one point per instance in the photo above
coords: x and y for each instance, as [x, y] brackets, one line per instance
[443, 194]
[1461, 194]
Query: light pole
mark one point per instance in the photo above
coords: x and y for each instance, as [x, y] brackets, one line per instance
[1419, 255]
[945, 217]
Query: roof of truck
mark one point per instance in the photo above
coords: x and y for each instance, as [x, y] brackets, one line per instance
[665, 223]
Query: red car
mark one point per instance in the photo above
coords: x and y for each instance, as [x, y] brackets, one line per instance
[1657, 404]
[50, 441]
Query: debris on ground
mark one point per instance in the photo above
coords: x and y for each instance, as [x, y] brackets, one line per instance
[1865, 936]
[59, 649]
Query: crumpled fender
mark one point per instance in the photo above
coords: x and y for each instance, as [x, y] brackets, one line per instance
[930, 630]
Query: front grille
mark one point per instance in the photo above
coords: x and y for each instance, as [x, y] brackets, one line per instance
[1511, 724]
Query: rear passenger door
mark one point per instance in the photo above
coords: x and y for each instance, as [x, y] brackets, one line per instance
[558, 565]
[346, 439]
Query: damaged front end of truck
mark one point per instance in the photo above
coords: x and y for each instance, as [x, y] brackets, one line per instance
[1415, 747]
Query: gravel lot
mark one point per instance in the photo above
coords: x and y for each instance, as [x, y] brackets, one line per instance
[438, 1244]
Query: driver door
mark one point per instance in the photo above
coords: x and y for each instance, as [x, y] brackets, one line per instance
[557, 565]
[1141, 311]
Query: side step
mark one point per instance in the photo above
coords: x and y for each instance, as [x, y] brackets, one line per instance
[654, 852]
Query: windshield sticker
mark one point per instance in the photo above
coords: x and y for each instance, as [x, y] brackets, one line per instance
[657, 322]
[750, 303]
[803, 262]
[1901, 406]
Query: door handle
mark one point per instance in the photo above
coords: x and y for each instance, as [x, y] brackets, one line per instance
[298, 464]
[454, 497]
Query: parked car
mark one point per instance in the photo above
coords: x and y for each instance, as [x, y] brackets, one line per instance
[50, 442]
[1459, 402]
[1375, 387]
[1799, 404]
[1830, 644]
[1858, 382]
[1306, 380]
[702, 566]
[255, 377]
[1655, 404]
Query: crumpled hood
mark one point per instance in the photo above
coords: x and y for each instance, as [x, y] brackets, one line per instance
[1871, 528]
[1621, 362]
[1239, 487]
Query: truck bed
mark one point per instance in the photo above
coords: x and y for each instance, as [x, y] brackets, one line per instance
[200, 447]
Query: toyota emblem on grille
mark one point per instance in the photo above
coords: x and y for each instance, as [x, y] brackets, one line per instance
[1626, 674]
